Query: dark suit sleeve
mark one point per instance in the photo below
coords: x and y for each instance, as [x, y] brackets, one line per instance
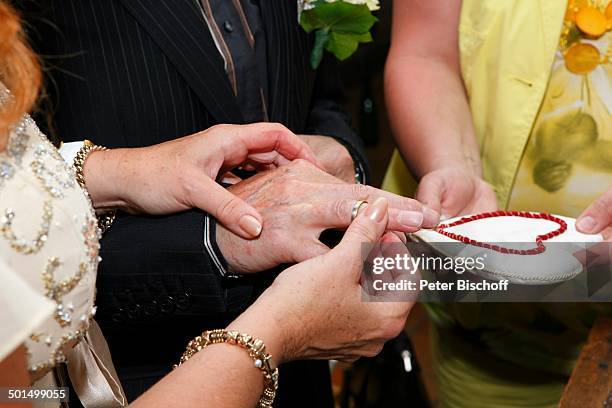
[328, 118]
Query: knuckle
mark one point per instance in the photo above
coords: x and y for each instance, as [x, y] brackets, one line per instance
[603, 205]
[278, 127]
[360, 191]
[273, 130]
[340, 210]
[301, 163]
[412, 204]
[219, 128]
[344, 156]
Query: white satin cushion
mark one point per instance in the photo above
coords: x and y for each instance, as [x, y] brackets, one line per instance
[557, 264]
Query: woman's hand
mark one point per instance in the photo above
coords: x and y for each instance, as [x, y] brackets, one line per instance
[454, 191]
[313, 310]
[316, 309]
[598, 217]
[180, 174]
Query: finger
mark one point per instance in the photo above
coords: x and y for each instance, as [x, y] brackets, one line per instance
[268, 158]
[431, 218]
[337, 214]
[255, 138]
[405, 221]
[367, 228]
[231, 211]
[598, 216]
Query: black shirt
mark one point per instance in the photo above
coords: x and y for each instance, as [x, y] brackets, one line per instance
[236, 27]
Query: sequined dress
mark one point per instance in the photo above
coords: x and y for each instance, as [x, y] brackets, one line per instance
[49, 245]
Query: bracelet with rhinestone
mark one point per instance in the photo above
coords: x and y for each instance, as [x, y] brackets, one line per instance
[254, 346]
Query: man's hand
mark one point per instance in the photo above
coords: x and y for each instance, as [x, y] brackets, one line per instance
[455, 191]
[296, 327]
[598, 217]
[298, 202]
[332, 156]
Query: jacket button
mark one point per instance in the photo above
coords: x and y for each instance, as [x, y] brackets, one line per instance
[151, 309]
[167, 304]
[135, 312]
[183, 302]
[118, 316]
[228, 26]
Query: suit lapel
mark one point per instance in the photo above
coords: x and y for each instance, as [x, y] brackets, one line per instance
[288, 67]
[181, 32]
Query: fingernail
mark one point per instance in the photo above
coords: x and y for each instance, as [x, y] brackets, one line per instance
[410, 219]
[586, 224]
[431, 218]
[376, 212]
[250, 225]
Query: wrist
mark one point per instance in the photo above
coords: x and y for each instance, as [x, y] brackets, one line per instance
[264, 321]
[453, 162]
[221, 243]
[104, 178]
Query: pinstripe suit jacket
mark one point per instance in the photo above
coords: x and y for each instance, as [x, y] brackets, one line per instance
[130, 73]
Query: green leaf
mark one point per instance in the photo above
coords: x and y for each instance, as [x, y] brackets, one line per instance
[345, 45]
[339, 28]
[321, 42]
[340, 17]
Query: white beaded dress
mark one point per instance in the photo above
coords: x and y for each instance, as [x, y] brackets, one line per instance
[49, 242]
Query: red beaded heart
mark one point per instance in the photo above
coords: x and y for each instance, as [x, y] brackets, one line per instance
[441, 229]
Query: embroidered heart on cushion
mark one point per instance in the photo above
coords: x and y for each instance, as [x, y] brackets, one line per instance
[539, 240]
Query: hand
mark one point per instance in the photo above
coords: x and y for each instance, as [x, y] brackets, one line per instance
[455, 191]
[180, 174]
[598, 217]
[298, 202]
[332, 156]
[315, 310]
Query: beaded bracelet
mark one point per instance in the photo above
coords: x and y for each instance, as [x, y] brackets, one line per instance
[106, 219]
[539, 248]
[256, 349]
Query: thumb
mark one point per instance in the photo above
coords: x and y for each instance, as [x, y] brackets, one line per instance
[311, 250]
[231, 211]
[430, 192]
[598, 216]
[368, 228]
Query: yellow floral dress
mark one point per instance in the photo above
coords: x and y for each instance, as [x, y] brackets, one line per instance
[567, 162]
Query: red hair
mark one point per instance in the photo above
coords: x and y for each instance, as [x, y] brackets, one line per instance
[19, 70]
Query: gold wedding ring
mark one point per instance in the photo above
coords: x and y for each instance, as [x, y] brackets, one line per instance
[356, 208]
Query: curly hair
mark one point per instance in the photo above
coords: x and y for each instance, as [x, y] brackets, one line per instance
[19, 70]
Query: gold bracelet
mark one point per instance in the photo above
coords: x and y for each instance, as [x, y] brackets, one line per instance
[106, 219]
[256, 349]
